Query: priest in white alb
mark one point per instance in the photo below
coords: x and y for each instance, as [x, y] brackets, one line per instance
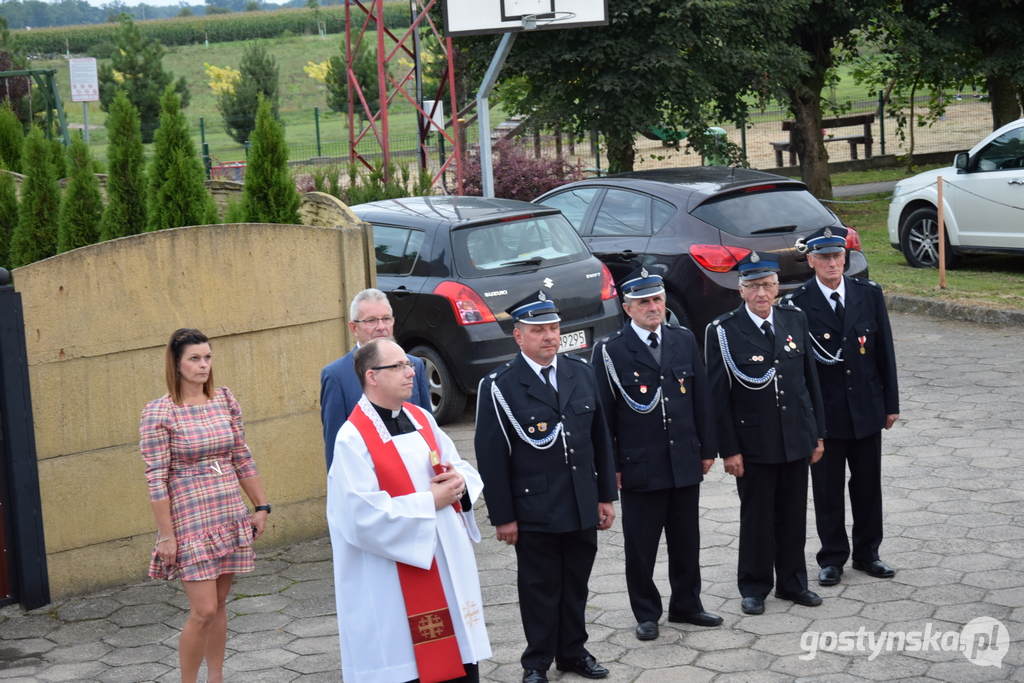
[399, 507]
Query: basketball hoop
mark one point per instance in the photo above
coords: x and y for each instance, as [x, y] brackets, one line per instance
[533, 21]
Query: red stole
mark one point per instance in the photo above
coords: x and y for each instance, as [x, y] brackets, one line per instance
[430, 623]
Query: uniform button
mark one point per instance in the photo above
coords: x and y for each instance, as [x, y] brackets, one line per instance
[778, 376]
[776, 361]
[670, 420]
[563, 417]
[849, 372]
[666, 399]
[663, 377]
[783, 408]
[850, 389]
[571, 450]
[743, 422]
[568, 434]
[526, 490]
[671, 443]
[574, 468]
[782, 393]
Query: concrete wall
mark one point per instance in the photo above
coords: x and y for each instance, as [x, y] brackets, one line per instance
[273, 299]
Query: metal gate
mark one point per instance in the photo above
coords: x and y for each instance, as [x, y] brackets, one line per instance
[23, 576]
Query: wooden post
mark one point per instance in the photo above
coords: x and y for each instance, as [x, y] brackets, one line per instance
[942, 239]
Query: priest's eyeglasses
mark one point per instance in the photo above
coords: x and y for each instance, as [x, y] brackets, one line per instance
[373, 322]
[404, 365]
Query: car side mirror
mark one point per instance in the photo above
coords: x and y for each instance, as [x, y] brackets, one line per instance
[961, 160]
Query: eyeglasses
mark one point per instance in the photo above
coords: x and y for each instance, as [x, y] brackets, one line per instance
[373, 322]
[766, 287]
[404, 365]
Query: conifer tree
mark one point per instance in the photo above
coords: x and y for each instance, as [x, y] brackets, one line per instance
[177, 191]
[12, 138]
[125, 213]
[269, 195]
[82, 207]
[8, 215]
[259, 76]
[136, 67]
[35, 236]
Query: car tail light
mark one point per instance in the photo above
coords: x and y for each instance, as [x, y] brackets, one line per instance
[607, 284]
[717, 258]
[852, 239]
[469, 308]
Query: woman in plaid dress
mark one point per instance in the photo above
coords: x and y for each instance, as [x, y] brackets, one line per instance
[196, 458]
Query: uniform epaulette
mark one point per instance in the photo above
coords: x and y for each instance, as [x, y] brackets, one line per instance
[723, 317]
[576, 358]
[499, 371]
[787, 305]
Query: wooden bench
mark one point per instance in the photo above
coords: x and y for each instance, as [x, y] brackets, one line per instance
[865, 139]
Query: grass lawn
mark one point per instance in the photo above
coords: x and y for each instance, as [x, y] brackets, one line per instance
[992, 281]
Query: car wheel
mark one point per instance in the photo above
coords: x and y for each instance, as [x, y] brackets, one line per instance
[676, 312]
[919, 240]
[447, 400]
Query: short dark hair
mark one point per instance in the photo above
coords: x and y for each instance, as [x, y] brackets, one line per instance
[365, 357]
[183, 337]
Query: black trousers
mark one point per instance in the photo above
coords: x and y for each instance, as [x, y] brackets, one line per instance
[773, 527]
[644, 515]
[554, 570]
[864, 458]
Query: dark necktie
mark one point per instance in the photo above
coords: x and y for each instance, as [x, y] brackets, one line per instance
[840, 311]
[767, 327]
[653, 339]
[547, 380]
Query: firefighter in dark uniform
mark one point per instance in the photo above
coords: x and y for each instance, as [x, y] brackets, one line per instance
[545, 456]
[852, 343]
[656, 400]
[768, 410]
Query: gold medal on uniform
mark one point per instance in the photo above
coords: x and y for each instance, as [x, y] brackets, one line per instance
[862, 341]
[682, 387]
[643, 389]
[542, 426]
[789, 342]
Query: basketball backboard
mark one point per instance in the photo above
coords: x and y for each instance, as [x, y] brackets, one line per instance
[474, 17]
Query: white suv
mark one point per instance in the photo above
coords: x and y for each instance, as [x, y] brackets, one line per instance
[983, 199]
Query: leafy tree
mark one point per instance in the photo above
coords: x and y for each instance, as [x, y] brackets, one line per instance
[948, 45]
[136, 67]
[657, 63]
[214, 9]
[125, 213]
[184, 12]
[364, 66]
[259, 76]
[35, 236]
[177, 192]
[13, 91]
[8, 214]
[82, 208]
[269, 195]
[11, 138]
[253, 6]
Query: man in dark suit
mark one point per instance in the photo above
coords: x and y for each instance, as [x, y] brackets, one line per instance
[370, 317]
[852, 342]
[657, 403]
[768, 409]
[545, 456]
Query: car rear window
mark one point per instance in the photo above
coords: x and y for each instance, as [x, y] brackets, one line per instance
[764, 212]
[516, 246]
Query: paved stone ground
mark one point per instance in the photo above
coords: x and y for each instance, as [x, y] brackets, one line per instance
[954, 486]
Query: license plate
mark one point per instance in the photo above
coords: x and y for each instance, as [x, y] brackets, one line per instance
[573, 341]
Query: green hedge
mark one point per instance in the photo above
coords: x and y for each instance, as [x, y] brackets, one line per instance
[218, 28]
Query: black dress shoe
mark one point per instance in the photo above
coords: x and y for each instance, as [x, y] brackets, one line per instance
[647, 630]
[829, 576]
[586, 667]
[752, 606]
[535, 676]
[877, 569]
[805, 597]
[697, 619]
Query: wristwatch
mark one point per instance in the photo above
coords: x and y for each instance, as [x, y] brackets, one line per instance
[262, 508]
